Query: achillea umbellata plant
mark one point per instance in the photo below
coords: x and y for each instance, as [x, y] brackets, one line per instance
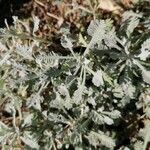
[78, 100]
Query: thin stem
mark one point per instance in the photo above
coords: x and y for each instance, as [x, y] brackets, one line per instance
[87, 48]
[39, 3]
[64, 110]
[71, 50]
[90, 70]
[53, 16]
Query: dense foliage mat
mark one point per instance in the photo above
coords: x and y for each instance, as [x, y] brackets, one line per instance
[91, 91]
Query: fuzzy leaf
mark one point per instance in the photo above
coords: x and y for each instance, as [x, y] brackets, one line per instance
[98, 78]
[97, 30]
[108, 120]
[113, 114]
[35, 101]
[146, 76]
[132, 25]
[66, 42]
[24, 51]
[29, 140]
[97, 139]
[27, 120]
[145, 50]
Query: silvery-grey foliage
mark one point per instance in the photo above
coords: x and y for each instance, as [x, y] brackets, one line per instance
[96, 138]
[145, 50]
[29, 140]
[98, 78]
[98, 31]
[77, 99]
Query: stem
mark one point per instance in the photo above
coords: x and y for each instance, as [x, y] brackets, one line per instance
[84, 77]
[67, 113]
[87, 49]
[54, 16]
[39, 3]
[90, 70]
[44, 85]
[74, 54]
[138, 64]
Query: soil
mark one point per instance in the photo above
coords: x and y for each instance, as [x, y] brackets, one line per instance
[52, 14]
[9, 8]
